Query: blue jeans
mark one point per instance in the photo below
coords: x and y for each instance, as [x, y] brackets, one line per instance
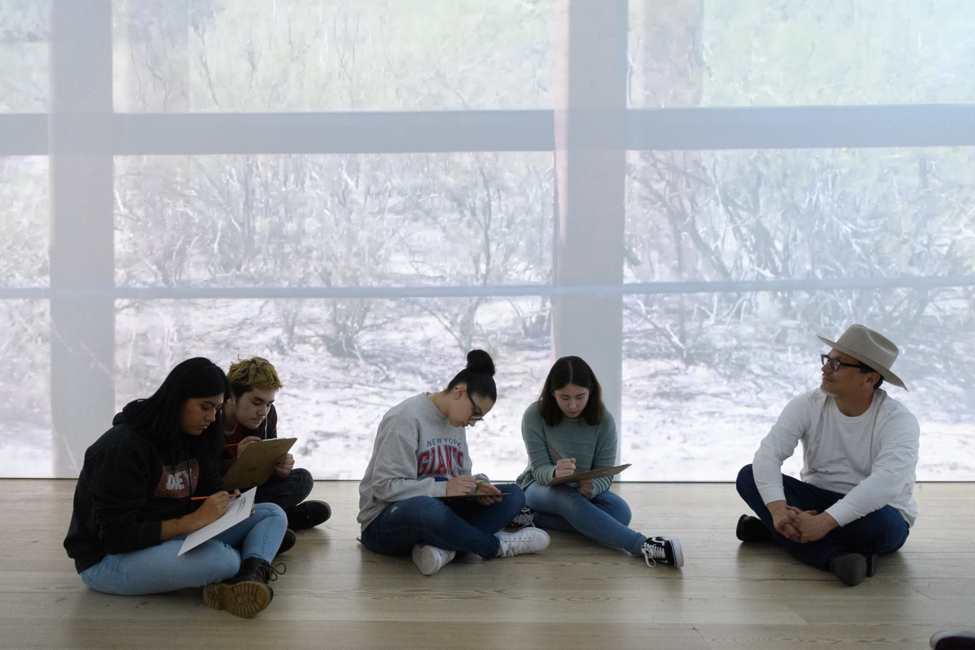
[604, 518]
[880, 532]
[158, 569]
[286, 491]
[461, 525]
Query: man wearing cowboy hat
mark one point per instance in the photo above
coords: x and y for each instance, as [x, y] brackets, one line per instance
[855, 500]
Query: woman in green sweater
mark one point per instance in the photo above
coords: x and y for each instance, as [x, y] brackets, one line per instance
[568, 430]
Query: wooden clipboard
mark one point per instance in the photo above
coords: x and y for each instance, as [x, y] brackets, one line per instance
[593, 473]
[255, 464]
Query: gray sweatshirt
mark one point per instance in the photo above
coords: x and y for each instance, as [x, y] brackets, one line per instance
[415, 445]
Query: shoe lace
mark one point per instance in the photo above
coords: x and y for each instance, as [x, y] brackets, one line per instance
[270, 572]
[278, 569]
[525, 518]
[515, 543]
[653, 552]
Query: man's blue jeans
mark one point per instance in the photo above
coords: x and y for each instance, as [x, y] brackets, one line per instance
[604, 518]
[880, 532]
[158, 569]
[461, 525]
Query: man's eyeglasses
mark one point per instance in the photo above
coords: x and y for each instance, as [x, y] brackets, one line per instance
[836, 364]
[476, 415]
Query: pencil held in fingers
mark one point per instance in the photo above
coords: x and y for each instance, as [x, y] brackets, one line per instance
[565, 467]
[232, 496]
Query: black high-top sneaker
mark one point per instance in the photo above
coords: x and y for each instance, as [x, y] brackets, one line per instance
[662, 550]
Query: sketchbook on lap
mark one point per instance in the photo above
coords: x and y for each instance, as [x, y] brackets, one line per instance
[238, 510]
[255, 464]
[594, 473]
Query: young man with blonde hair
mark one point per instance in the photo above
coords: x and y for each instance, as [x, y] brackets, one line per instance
[249, 416]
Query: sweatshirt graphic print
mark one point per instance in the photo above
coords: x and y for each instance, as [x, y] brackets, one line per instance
[178, 482]
[443, 457]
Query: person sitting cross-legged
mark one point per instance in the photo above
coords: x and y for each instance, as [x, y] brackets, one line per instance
[860, 449]
[418, 496]
[151, 480]
[569, 430]
[249, 416]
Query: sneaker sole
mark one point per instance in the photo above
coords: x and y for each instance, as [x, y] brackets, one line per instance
[678, 554]
[244, 599]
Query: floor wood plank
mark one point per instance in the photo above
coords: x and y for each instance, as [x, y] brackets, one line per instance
[577, 594]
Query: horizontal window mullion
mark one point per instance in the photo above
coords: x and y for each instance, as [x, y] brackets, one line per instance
[810, 127]
[802, 127]
[487, 291]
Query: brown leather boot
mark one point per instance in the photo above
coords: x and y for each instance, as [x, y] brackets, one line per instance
[247, 593]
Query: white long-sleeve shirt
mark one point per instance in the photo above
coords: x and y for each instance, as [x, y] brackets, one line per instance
[871, 458]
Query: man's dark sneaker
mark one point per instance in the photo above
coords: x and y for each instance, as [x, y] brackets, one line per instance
[953, 640]
[851, 568]
[308, 515]
[751, 529]
[662, 550]
[288, 542]
[247, 593]
[524, 518]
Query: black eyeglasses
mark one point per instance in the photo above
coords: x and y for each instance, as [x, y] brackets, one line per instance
[836, 364]
[476, 415]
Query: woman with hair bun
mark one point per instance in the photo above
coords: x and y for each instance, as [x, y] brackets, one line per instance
[567, 431]
[420, 460]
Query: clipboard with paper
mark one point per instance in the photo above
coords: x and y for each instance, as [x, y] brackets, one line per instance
[255, 464]
[238, 510]
[594, 473]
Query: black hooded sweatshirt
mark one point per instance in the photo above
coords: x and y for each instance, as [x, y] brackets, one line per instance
[128, 487]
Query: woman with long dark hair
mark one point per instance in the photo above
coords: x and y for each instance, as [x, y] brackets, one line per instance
[567, 431]
[134, 502]
[415, 495]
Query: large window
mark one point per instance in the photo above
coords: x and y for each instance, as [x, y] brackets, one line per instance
[683, 192]
[308, 55]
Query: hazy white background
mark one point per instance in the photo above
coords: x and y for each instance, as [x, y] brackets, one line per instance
[705, 372]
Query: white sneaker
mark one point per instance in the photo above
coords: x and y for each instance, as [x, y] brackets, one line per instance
[662, 550]
[526, 540]
[430, 559]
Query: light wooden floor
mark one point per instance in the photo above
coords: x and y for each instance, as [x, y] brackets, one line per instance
[575, 595]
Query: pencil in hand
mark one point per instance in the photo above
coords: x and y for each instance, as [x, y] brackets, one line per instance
[232, 496]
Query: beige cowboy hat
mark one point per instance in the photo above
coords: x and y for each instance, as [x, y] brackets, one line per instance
[869, 347]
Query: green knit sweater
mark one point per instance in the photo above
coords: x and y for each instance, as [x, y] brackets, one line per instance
[593, 447]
